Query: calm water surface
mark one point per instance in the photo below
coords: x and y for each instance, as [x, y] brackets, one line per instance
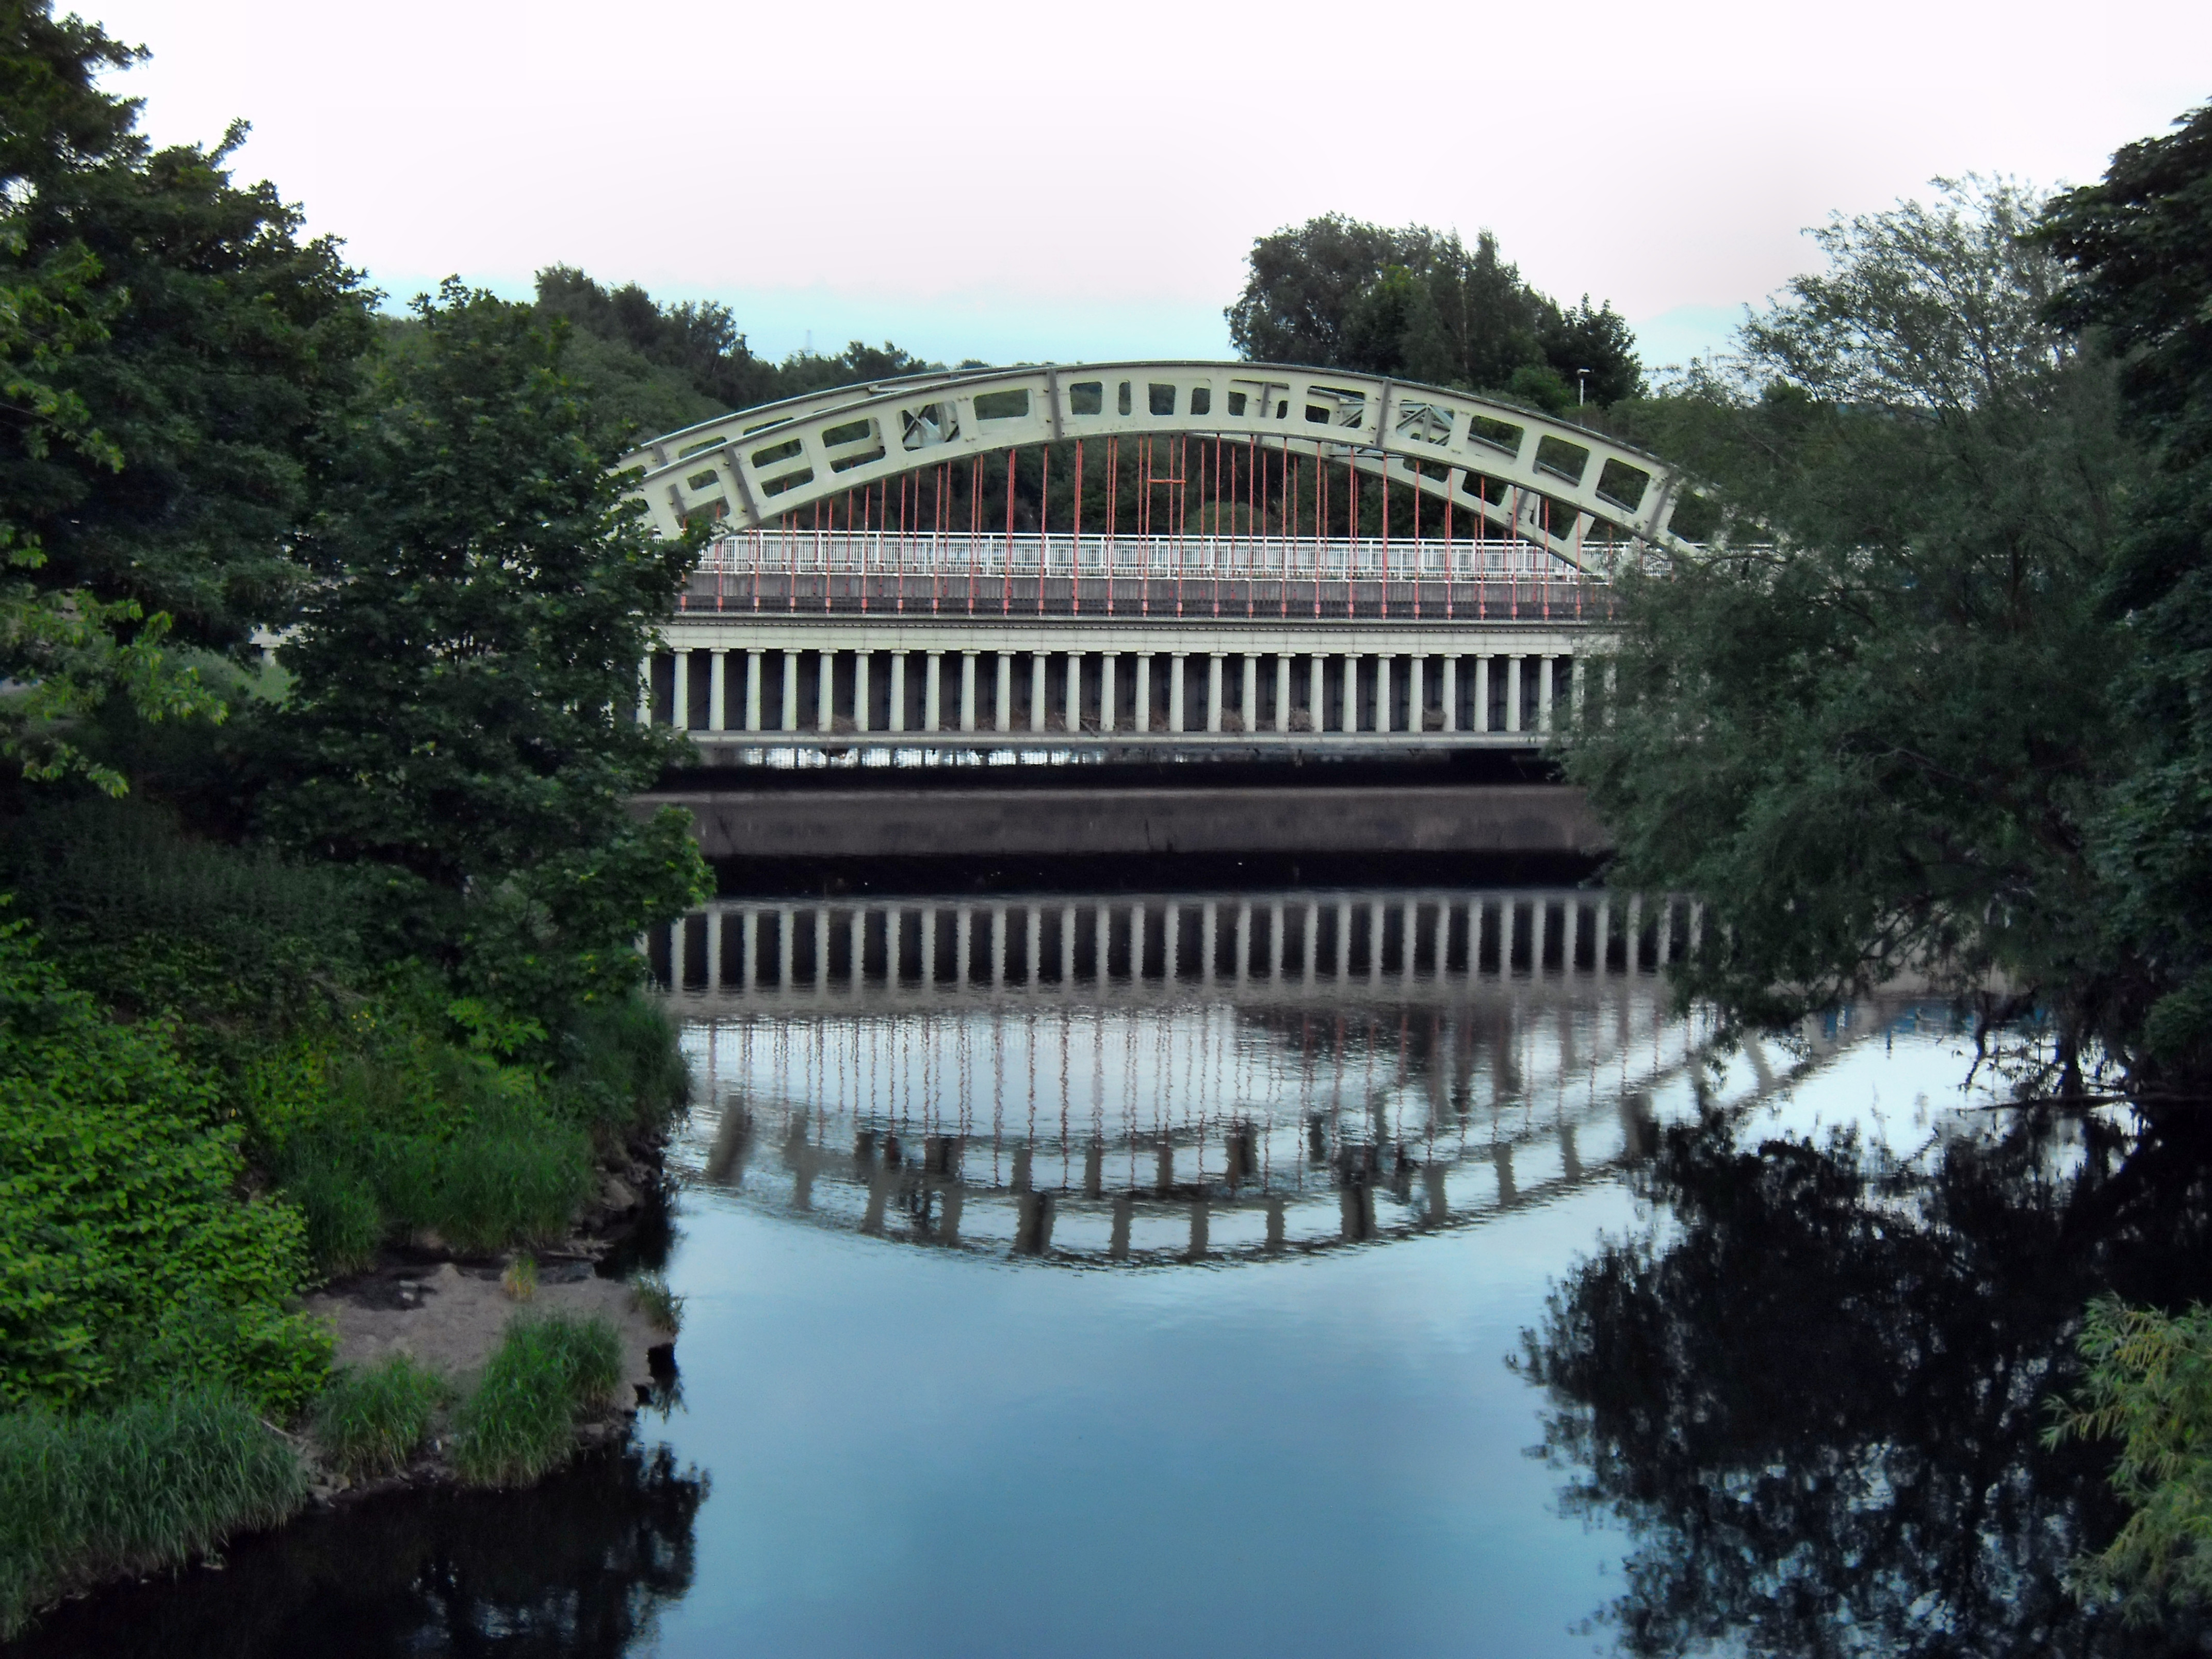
[1293, 1273]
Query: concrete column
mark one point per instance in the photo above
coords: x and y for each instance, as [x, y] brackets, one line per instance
[1106, 689]
[1102, 941]
[1208, 935]
[1544, 693]
[1513, 693]
[1570, 948]
[1609, 684]
[1665, 930]
[860, 689]
[1074, 691]
[1697, 925]
[1351, 697]
[929, 944]
[1382, 693]
[821, 946]
[1474, 909]
[1005, 711]
[679, 708]
[963, 940]
[1311, 942]
[718, 690]
[786, 919]
[1575, 679]
[1635, 932]
[790, 692]
[1066, 949]
[1243, 941]
[1143, 719]
[1451, 694]
[1036, 691]
[825, 693]
[1214, 691]
[1482, 692]
[932, 684]
[856, 948]
[645, 690]
[715, 947]
[1283, 692]
[1174, 692]
[1509, 930]
[1417, 690]
[1036, 944]
[898, 692]
[1314, 681]
[1540, 917]
[1250, 711]
[752, 690]
[998, 946]
[1603, 937]
[1375, 936]
[968, 691]
[748, 950]
[1343, 939]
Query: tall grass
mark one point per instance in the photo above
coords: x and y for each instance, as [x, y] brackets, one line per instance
[370, 1420]
[149, 1485]
[521, 1420]
[622, 1069]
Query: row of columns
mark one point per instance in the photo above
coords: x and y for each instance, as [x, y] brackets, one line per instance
[969, 715]
[1515, 930]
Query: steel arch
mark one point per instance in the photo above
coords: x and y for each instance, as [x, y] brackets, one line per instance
[1555, 482]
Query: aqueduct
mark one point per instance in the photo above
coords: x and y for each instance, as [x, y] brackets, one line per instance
[1273, 559]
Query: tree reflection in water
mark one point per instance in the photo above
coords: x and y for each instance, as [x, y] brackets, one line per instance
[1814, 1389]
[578, 1566]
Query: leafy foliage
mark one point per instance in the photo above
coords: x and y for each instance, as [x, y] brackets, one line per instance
[460, 723]
[1872, 722]
[1338, 293]
[2150, 1385]
[2140, 246]
[130, 1258]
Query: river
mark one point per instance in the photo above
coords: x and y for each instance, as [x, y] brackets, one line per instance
[1294, 1273]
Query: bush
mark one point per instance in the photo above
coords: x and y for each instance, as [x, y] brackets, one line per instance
[147, 1485]
[515, 1179]
[2150, 1385]
[521, 1420]
[370, 1420]
[128, 1247]
[622, 1069]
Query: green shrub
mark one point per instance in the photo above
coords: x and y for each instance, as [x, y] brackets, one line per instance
[345, 1223]
[521, 1420]
[127, 1245]
[2150, 1386]
[623, 1068]
[150, 1484]
[370, 1420]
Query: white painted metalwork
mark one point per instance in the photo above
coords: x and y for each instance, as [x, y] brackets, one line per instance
[1546, 481]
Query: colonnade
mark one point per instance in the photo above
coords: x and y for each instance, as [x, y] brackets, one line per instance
[981, 691]
[1295, 941]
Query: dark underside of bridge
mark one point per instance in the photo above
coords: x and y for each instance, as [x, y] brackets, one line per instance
[1466, 818]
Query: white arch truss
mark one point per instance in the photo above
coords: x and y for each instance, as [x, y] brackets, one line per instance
[1550, 481]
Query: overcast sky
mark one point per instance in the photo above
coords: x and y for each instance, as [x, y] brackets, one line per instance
[1033, 181]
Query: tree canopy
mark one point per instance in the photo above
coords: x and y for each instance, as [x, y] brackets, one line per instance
[1338, 293]
[1873, 722]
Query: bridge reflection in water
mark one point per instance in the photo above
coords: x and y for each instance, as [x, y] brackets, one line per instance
[1100, 1080]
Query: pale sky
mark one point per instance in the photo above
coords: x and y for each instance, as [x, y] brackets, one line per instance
[1033, 182]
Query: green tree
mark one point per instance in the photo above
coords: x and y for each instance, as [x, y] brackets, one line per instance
[227, 346]
[462, 720]
[1338, 293]
[2139, 243]
[1872, 724]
